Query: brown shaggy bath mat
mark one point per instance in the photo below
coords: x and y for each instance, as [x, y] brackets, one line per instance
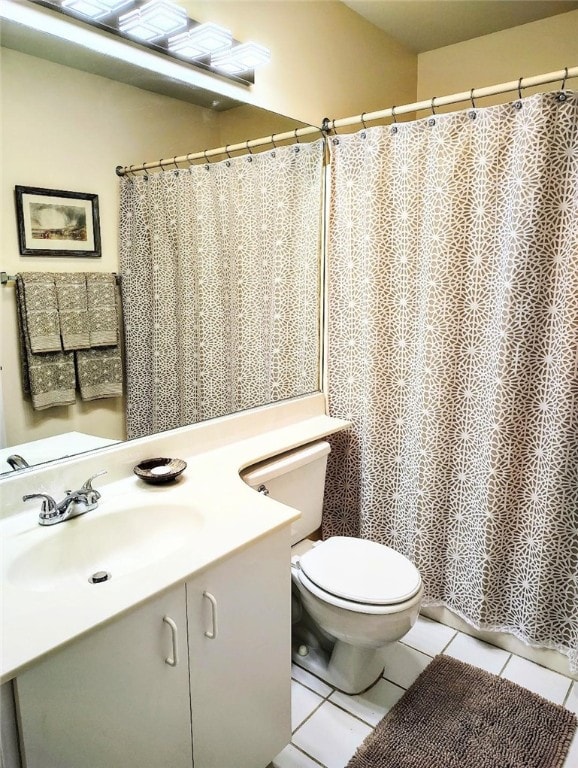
[459, 716]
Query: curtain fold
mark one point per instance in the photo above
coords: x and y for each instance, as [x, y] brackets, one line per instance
[220, 284]
[453, 347]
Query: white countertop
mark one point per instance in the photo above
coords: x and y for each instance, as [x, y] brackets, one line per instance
[228, 515]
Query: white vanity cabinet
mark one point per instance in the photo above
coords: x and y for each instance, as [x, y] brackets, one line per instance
[239, 615]
[111, 700]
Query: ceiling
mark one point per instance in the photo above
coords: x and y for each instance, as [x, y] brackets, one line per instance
[422, 25]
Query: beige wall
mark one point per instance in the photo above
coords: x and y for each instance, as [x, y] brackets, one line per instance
[326, 60]
[66, 129]
[531, 49]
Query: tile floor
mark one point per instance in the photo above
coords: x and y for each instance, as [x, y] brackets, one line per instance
[328, 726]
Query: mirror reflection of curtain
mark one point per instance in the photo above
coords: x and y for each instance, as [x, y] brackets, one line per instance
[453, 332]
[220, 284]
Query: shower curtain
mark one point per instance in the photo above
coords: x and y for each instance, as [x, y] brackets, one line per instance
[453, 348]
[220, 286]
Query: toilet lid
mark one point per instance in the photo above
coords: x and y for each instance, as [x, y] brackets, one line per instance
[361, 571]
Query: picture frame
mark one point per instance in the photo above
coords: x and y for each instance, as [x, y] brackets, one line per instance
[55, 222]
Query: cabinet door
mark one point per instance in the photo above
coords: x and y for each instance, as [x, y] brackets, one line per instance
[110, 699]
[240, 656]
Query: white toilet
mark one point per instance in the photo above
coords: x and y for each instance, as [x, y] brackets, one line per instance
[351, 597]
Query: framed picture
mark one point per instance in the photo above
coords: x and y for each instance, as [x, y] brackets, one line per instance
[52, 222]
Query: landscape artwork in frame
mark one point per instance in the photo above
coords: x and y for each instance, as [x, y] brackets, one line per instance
[53, 222]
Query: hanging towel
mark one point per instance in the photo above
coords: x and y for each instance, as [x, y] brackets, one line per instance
[40, 305]
[102, 311]
[99, 373]
[48, 377]
[72, 309]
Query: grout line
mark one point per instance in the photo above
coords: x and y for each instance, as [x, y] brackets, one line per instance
[407, 645]
[307, 672]
[304, 685]
[450, 641]
[309, 716]
[303, 752]
[505, 664]
[323, 698]
[357, 717]
[568, 693]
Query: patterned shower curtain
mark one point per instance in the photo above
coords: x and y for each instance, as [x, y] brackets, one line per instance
[453, 348]
[220, 286]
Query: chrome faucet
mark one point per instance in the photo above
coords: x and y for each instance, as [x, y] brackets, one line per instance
[75, 503]
[17, 462]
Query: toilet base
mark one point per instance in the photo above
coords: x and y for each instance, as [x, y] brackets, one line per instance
[347, 668]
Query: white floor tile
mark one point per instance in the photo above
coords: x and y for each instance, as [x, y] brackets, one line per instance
[291, 757]
[551, 685]
[331, 736]
[403, 664]
[303, 702]
[476, 652]
[372, 705]
[306, 678]
[572, 701]
[428, 636]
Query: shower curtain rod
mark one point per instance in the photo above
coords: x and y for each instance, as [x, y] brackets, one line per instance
[330, 125]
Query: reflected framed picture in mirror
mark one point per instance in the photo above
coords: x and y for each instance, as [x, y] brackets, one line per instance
[54, 222]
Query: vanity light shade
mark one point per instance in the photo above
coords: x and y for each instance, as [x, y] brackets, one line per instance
[240, 58]
[200, 41]
[153, 19]
[94, 9]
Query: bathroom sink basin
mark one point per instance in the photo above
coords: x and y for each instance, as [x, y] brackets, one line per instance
[120, 542]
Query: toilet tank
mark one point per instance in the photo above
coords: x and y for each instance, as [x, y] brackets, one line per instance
[295, 478]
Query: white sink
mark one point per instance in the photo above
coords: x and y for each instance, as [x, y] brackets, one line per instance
[120, 542]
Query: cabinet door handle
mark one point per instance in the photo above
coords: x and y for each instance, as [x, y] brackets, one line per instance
[174, 660]
[212, 634]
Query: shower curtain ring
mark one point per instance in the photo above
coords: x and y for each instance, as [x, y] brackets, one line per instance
[562, 95]
[362, 120]
[247, 147]
[227, 152]
[146, 176]
[520, 88]
[472, 99]
[393, 114]
[273, 141]
[333, 128]
[295, 135]
[161, 164]
[206, 158]
[174, 163]
[432, 105]
[130, 172]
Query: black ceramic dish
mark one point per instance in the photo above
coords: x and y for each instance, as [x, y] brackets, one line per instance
[159, 471]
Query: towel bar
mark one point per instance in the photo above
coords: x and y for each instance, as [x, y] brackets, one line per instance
[5, 278]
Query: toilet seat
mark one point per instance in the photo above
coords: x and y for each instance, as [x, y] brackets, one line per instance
[348, 571]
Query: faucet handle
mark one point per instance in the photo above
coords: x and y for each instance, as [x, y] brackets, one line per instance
[87, 487]
[48, 504]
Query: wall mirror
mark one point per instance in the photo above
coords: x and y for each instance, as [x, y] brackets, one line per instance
[69, 117]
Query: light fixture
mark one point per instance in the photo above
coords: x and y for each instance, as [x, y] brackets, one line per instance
[164, 27]
[241, 58]
[153, 19]
[94, 9]
[200, 40]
